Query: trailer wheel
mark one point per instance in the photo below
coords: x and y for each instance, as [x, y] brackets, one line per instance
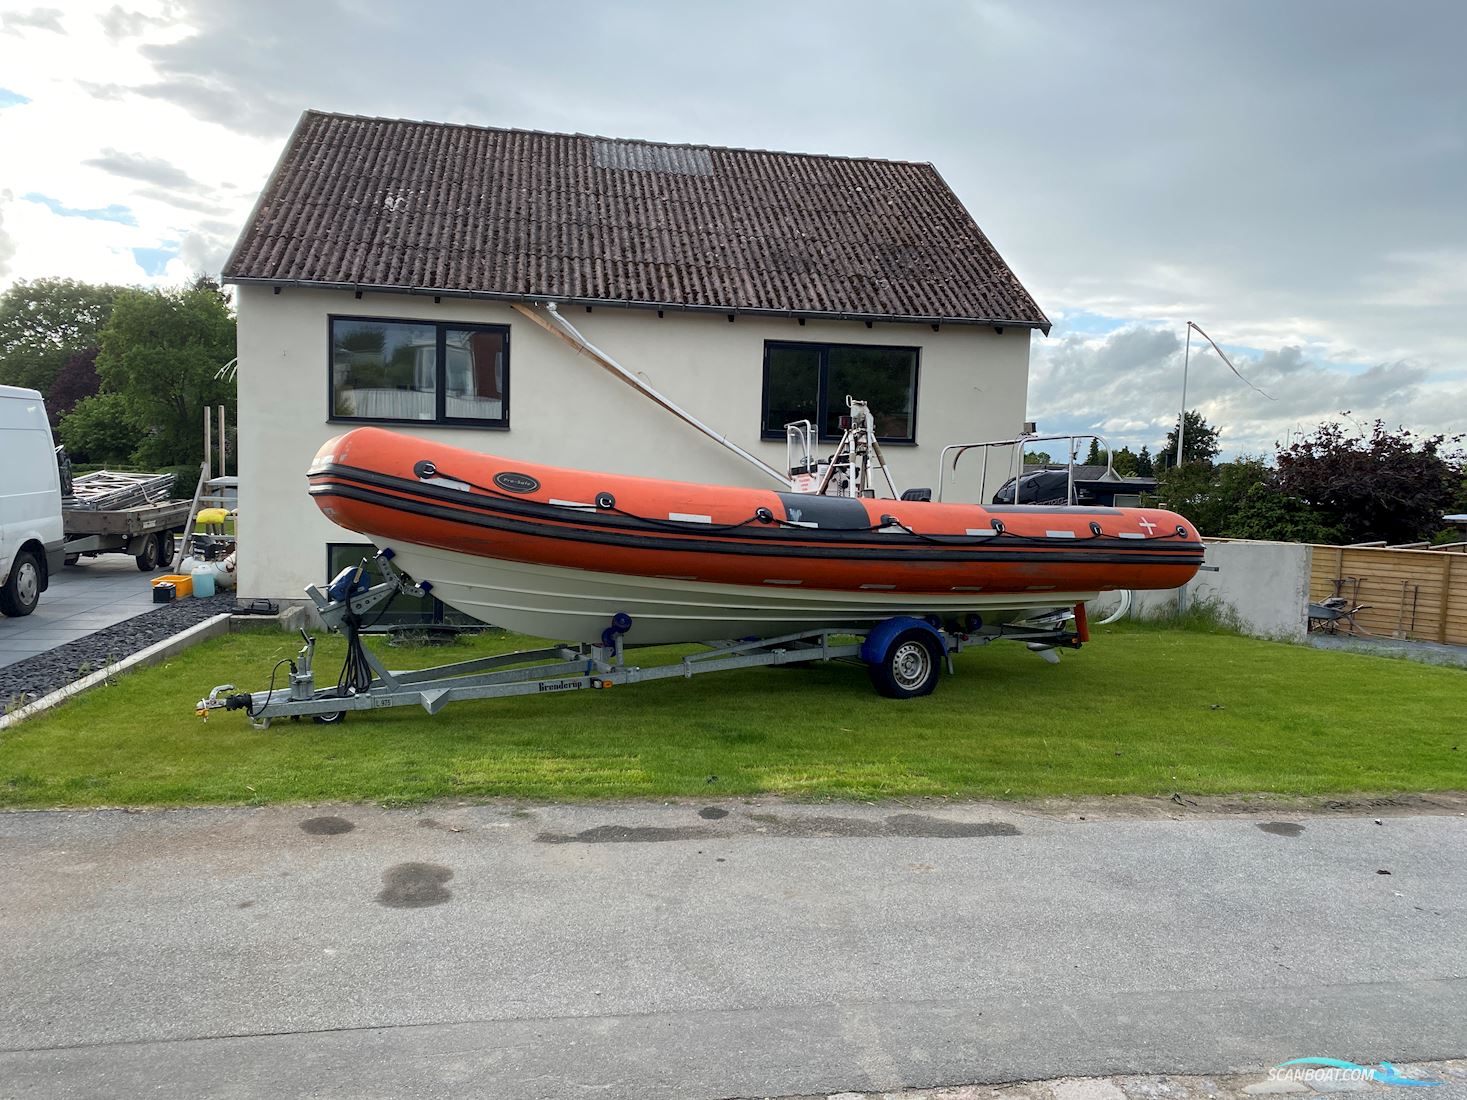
[22, 590]
[334, 718]
[910, 667]
[151, 555]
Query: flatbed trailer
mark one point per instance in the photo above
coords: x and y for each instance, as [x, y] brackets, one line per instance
[904, 655]
[148, 532]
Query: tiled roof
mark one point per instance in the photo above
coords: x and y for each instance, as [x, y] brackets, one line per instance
[435, 208]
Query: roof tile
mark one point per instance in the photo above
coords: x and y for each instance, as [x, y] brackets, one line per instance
[423, 206]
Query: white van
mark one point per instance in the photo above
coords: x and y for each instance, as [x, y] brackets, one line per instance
[31, 542]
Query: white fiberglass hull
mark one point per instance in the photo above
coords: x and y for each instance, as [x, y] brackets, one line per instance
[576, 605]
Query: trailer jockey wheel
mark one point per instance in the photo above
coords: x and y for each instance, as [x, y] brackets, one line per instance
[910, 668]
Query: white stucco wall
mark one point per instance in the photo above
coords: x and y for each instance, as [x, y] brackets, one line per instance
[1264, 584]
[566, 410]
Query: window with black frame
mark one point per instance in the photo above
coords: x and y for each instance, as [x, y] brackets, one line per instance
[419, 372]
[402, 609]
[811, 382]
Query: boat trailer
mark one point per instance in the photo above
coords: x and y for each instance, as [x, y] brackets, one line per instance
[903, 655]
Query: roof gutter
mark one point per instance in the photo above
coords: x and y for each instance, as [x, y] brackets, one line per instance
[548, 317]
[679, 307]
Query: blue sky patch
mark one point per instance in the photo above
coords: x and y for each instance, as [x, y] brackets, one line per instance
[154, 261]
[113, 213]
[12, 99]
[1083, 323]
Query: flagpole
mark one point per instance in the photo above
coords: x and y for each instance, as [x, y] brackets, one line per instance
[1182, 420]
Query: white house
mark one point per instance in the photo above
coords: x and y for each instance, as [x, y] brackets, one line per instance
[380, 270]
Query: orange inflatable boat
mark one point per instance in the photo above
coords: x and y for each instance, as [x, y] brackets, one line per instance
[557, 553]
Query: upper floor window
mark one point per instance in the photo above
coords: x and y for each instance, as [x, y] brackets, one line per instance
[811, 382]
[419, 372]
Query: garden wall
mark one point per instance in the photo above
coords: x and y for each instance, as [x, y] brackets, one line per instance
[1265, 585]
[1411, 594]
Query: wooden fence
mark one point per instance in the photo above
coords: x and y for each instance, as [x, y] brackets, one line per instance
[1420, 594]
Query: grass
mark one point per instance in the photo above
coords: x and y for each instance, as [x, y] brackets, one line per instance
[1143, 710]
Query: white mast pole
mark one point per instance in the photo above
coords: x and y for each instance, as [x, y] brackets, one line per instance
[1182, 420]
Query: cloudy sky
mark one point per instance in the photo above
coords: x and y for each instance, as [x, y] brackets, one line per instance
[1290, 174]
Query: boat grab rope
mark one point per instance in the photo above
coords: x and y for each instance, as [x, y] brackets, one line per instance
[1000, 531]
[605, 502]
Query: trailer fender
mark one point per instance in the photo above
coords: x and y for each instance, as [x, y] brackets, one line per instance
[878, 641]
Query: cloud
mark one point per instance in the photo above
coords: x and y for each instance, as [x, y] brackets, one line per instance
[41, 19]
[118, 23]
[110, 213]
[1290, 179]
[152, 170]
[7, 243]
[1127, 385]
[213, 101]
[112, 92]
[183, 202]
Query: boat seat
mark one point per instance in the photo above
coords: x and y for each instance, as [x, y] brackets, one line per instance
[917, 494]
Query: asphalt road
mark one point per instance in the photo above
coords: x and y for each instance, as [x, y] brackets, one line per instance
[668, 951]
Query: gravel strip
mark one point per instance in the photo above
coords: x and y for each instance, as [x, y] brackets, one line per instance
[45, 672]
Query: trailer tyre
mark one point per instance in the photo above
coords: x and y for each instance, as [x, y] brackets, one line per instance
[910, 667]
[22, 590]
[331, 718]
[152, 554]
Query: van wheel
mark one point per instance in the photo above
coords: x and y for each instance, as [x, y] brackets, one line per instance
[22, 591]
[910, 668]
[151, 555]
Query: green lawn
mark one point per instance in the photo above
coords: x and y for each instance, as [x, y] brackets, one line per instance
[1142, 710]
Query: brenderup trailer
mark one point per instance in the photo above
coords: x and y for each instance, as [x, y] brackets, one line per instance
[148, 532]
[904, 655]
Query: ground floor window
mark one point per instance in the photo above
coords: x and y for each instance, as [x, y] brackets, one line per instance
[419, 372]
[811, 381]
[401, 610]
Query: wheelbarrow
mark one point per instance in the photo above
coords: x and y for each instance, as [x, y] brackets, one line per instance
[1326, 616]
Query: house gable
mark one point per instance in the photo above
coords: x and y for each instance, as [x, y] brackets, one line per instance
[453, 210]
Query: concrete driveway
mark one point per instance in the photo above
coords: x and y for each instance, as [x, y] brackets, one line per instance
[725, 950]
[81, 600]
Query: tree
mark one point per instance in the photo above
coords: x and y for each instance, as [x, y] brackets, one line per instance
[100, 429]
[77, 380]
[1267, 513]
[161, 352]
[1144, 465]
[1199, 443]
[1389, 485]
[1095, 457]
[1124, 462]
[1210, 495]
[1036, 458]
[44, 323]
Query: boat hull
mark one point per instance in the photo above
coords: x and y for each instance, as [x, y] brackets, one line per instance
[556, 552]
[549, 601]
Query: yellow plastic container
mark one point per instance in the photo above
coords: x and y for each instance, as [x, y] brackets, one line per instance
[183, 584]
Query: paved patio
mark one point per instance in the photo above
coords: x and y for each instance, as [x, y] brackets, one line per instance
[82, 599]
